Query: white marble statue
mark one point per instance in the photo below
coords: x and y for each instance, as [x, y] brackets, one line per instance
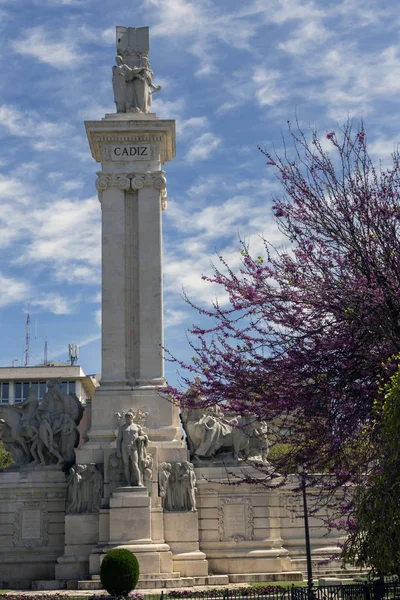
[74, 489]
[212, 433]
[177, 486]
[133, 86]
[187, 482]
[96, 492]
[164, 474]
[131, 448]
[148, 473]
[85, 489]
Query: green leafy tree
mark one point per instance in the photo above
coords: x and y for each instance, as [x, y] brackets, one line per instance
[374, 526]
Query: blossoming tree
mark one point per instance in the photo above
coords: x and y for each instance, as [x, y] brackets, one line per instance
[312, 330]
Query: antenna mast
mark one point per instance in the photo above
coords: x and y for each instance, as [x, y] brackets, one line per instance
[45, 361]
[27, 339]
[73, 353]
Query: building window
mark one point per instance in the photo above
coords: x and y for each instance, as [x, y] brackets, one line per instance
[22, 389]
[4, 392]
[68, 387]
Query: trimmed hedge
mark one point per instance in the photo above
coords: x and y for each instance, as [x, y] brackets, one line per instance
[119, 572]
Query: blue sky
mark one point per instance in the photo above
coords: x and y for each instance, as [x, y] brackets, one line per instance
[232, 74]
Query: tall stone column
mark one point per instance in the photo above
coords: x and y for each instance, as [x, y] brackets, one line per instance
[132, 191]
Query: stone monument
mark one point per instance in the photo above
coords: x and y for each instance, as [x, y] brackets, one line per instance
[136, 483]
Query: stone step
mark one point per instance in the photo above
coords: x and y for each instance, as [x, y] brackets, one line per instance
[212, 580]
[143, 584]
[47, 584]
[149, 576]
[251, 577]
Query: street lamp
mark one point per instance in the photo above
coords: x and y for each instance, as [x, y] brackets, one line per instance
[310, 581]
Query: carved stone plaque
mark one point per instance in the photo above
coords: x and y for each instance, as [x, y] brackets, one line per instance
[31, 525]
[130, 152]
[235, 519]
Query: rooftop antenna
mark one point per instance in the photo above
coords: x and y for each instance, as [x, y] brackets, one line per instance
[45, 361]
[27, 339]
[73, 353]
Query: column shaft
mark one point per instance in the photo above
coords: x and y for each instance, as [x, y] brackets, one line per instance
[113, 285]
[150, 285]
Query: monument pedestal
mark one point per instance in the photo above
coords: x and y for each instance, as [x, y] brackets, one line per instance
[239, 526]
[181, 529]
[129, 521]
[81, 535]
[32, 507]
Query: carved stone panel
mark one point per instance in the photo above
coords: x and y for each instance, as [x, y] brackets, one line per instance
[235, 519]
[291, 506]
[132, 151]
[31, 525]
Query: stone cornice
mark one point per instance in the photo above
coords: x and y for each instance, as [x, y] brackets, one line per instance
[133, 182]
[114, 130]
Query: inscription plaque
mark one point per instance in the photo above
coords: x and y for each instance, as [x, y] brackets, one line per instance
[235, 519]
[31, 524]
[131, 152]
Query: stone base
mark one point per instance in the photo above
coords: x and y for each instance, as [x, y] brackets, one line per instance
[32, 512]
[239, 526]
[181, 530]
[47, 584]
[149, 582]
[81, 534]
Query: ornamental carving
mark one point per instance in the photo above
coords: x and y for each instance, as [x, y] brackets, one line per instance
[133, 182]
[291, 505]
[139, 416]
[31, 525]
[235, 519]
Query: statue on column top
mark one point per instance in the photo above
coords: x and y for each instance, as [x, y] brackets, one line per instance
[132, 77]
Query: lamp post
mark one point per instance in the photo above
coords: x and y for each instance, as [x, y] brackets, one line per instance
[310, 581]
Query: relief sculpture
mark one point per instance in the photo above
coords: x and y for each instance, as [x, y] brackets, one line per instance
[43, 433]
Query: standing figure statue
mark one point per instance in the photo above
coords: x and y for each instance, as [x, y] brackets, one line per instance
[74, 489]
[96, 495]
[130, 448]
[188, 485]
[164, 474]
[133, 86]
[46, 435]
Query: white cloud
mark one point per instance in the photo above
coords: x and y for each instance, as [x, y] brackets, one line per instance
[168, 109]
[65, 232]
[203, 147]
[55, 303]
[44, 135]
[266, 88]
[174, 317]
[186, 127]
[306, 37]
[203, 25]
[12, 290]
[58, 53]
[72, 184]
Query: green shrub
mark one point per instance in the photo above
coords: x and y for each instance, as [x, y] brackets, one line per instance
[119, 572]
[5, 458]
